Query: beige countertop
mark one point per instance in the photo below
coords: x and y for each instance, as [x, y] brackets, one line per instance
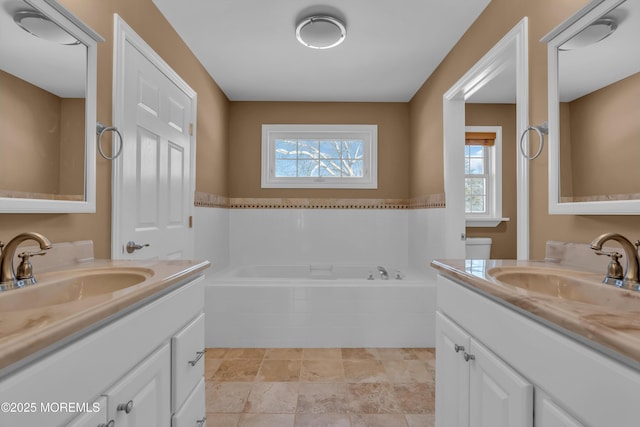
[612, 330]
[28, 332]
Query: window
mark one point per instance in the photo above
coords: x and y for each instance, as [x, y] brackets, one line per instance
[319, 156]
[483, 176]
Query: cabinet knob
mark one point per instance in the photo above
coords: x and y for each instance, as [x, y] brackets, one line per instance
[458, 348]
[111, 423]
[468, 357]
[126, 407]
[200, 422]
[199, 355]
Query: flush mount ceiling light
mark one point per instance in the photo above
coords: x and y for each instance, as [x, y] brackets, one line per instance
[321, 32]
[41, 26]
[595, 32]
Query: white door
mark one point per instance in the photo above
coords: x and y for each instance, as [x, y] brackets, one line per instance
[499, 396]
[153, 176]
[452, 374]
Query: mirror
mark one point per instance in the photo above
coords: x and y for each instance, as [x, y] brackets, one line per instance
[47, 113]
[594, 110]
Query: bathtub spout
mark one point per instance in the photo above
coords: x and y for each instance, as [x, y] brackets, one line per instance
[383, 273]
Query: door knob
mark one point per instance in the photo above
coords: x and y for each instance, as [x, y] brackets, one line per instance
[132, 246]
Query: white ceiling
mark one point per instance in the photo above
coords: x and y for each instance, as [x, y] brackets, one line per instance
[249, 46]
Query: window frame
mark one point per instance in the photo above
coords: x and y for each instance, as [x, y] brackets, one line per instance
[493, 215]
[368, 133]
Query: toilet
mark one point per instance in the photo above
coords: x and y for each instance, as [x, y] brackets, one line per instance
[478, 247]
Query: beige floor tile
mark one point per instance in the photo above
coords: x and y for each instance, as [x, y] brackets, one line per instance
[322, 398]
[364, 371]
[266, 420]
[210, 367]
[226, 397]
[419, 420]
[372, 398]
[279, 370]
[222, 420]
[237, 370]
[215, 353]
[416, 398]
[322, 420]
[322, 353]
[283, 353]
[359, 353]
[273, 398]
[378, 420]
[395, 354]
[424, 353]
[407, 371]
[245, 353]
[328, 371]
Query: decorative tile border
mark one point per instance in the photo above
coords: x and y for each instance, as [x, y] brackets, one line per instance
[41, 196]
[215, 201]
[602, 198]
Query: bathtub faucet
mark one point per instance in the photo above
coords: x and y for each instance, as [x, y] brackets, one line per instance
[383, 273]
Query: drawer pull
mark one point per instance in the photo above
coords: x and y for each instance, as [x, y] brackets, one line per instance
[458, 348]
[126, 407]
[111, 423]
[201, 422]
[199, 355]
[468, 357]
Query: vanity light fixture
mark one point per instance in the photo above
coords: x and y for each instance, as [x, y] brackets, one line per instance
[595, 32]
[321, 32]
[39, 25]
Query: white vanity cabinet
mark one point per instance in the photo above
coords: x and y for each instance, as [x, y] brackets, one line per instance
[134, 367]
[521, 371]
[475, 388]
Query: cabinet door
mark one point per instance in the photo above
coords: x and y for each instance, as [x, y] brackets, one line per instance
[549, 414]
[143, 397]
[499, 396]
[452, 374]
[193, 412]
[95, 417]
[187, 349]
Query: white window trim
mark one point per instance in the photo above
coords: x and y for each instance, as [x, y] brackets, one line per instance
[493, 217]
[369, 133]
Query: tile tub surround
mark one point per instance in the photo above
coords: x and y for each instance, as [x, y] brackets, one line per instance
[614, 332]
[341, 387]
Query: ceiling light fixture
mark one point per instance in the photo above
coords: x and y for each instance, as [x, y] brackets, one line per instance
[593, 33]
[41, 26]
[321, 32]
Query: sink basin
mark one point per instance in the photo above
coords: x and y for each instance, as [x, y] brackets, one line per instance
[567, 285]
[76, 285]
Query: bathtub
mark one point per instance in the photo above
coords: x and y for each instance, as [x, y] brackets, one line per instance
[319, 305]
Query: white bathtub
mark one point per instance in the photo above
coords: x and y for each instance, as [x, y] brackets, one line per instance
[319, 305]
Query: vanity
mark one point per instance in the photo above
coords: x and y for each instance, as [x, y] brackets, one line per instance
[104, 343]
[544, 344]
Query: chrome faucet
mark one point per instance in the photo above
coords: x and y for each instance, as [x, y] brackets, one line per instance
[631, 279]
[8, 277]
[383, 273]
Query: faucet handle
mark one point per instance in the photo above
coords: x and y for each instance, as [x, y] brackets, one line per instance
[25, 269]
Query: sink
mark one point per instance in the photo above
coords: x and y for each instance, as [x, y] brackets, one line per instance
[69, 286]
[567, 285]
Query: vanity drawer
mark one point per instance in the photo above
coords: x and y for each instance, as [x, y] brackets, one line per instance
[192, 413]
[187, 361]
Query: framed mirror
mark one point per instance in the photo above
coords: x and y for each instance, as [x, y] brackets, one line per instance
[47, 109]
[594, 110]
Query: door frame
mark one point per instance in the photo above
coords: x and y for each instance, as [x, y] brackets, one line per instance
[488, 67]
[123, 34]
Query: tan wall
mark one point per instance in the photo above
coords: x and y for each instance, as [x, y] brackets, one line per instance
[504, 239]
[245, 133]
[605, 126]
[30, 123]
[72, 133]
[427, 176]
[146, 20]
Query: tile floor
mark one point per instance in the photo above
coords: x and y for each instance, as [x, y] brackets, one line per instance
[294, 387]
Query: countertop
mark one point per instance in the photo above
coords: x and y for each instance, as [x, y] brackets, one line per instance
[613, 331]
[27, 333]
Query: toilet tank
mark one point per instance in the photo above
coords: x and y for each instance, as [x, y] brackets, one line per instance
[478, 247]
